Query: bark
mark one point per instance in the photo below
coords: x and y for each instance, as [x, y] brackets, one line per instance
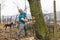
[55, 21]
[40, 26]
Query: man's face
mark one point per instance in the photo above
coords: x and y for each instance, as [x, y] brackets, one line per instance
[21, 11]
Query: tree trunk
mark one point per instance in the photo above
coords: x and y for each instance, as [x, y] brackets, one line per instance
[0, 13]
[55, 21]
[40, 26]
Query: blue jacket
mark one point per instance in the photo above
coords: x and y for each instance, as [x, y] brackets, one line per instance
[22, 15]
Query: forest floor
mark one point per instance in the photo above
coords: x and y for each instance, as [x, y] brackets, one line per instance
[10, 34]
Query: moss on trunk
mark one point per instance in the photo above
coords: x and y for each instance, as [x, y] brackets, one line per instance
[40, 26]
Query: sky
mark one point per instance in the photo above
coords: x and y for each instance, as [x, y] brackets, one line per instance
[11, 7]
[47, 5]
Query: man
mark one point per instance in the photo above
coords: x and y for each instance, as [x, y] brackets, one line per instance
[22, 22]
